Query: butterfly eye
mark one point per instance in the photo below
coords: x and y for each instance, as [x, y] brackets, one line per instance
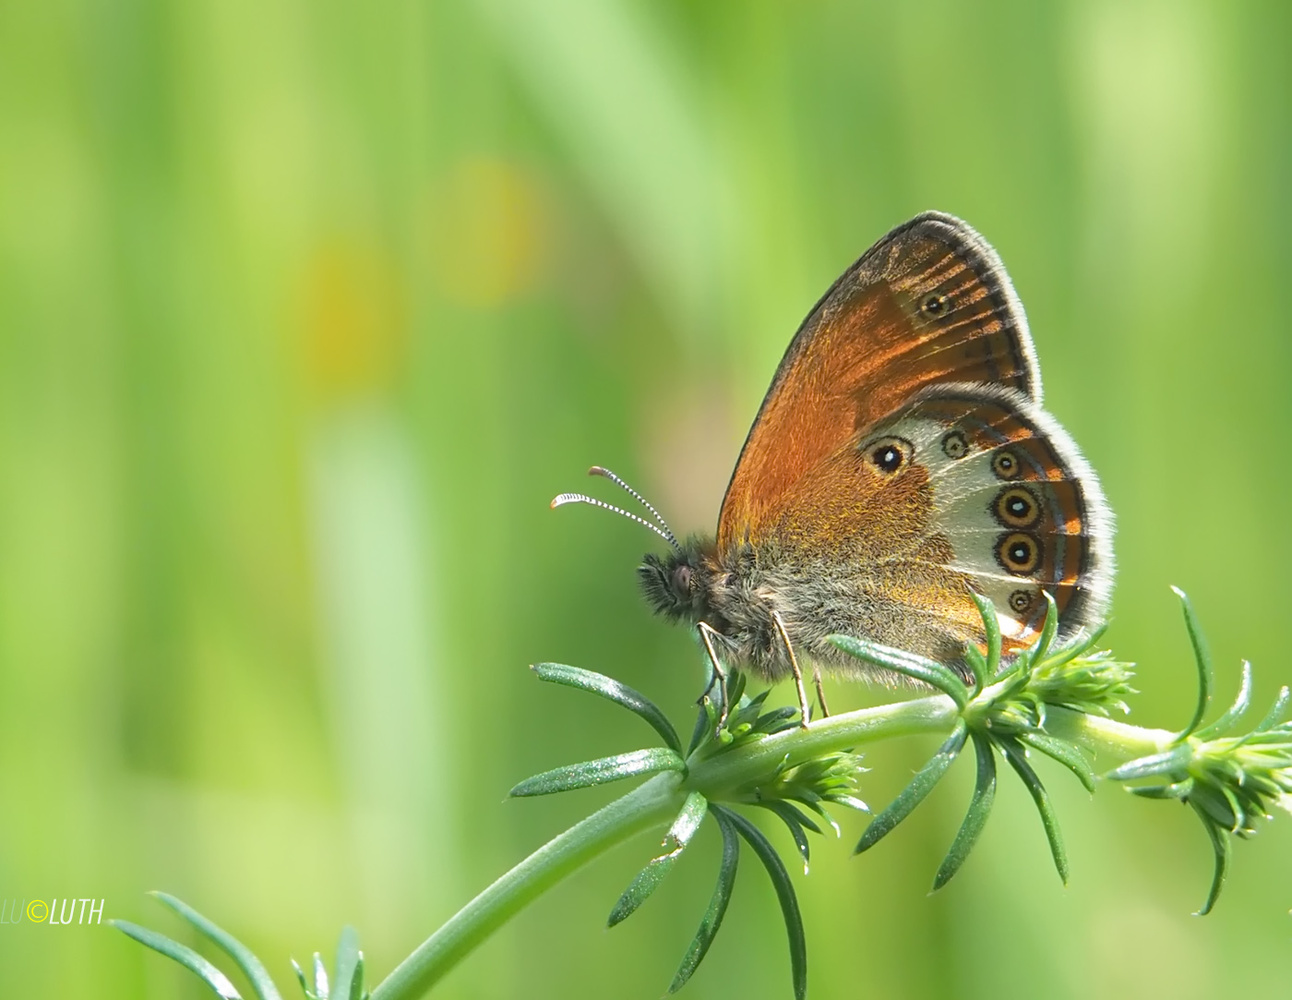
[682, 580]
[934, 305]
[889, 454]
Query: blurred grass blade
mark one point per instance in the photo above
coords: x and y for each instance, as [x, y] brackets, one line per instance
[1202, 659]
[795, 820]
[1017, 758]
[184, 955]
[348, 975]
[984, 793]
[608, 687]
[712, 919]
[1220, 844]
[784, 892]
[930, 672]
[1242, 702]
[600, 771]
[1066, 754]
[246, 960]
[675, 841]
[991, 625]
[915, 792]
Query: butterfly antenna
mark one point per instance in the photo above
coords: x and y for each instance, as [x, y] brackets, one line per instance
[565, 498]
[597, 470]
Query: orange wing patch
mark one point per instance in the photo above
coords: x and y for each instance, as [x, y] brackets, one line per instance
[930, 303]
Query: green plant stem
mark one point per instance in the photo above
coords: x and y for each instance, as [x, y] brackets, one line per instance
[658, 800]
[650, 804]
[1107, 736]
[717, 775]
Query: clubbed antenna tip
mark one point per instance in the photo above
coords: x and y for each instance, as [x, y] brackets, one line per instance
[662, 529]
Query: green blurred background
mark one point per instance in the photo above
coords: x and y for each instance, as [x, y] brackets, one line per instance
[308, 308]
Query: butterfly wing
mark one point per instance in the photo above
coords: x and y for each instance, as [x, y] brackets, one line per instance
[929, 303]
[985, 490]
[1010, 509]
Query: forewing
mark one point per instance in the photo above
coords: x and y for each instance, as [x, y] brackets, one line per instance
[928, 304]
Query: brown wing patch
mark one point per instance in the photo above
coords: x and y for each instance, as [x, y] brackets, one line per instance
[928, 304]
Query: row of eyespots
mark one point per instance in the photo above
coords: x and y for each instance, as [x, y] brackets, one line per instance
[1004, 463]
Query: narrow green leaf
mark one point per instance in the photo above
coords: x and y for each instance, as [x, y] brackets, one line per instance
[705, 722]
[348, 976]
[1165, 762]
[598, 772]
[1202, 659]
[608, 687]
[300, 977]
[1236, 711]
[777, 720]
[244, 957]
[803, 819]
[1048, 628]
[793, 819]
[915, 792]
[984, 793]
[1017, 757]
[1213, 806]
[712, 919]
[1276, 710]
[675, 841]
[321, 988]
[1175, 790]
[184, 955]
[784, 892]
[1066, 754]
[991, 625]
[929, 671]
[1222, 848]
[1078, 645]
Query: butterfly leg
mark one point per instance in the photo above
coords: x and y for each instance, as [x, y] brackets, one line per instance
[719, 676]
[805, 710]
[820, 692]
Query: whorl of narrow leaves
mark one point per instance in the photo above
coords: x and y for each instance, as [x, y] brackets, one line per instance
[1003, 713]
[1228, 781]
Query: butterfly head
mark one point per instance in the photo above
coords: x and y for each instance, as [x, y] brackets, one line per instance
[675, 583]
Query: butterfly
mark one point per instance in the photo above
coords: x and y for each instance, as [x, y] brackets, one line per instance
[901, 461]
